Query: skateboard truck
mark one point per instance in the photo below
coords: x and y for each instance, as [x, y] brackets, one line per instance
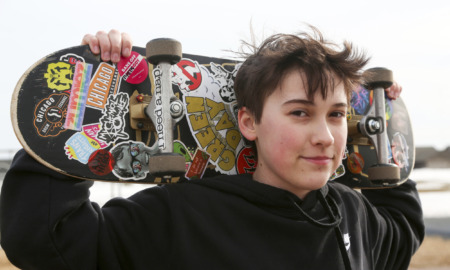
[165, 110]
[373, 126]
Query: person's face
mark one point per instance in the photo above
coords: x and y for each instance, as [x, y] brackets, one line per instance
[300, 142]
[134, 159]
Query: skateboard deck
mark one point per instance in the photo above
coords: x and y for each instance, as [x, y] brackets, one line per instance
[80, 116]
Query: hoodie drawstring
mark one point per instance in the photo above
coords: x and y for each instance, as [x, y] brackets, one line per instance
[336, 219]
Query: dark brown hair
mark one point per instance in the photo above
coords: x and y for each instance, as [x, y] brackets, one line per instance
[318, 59]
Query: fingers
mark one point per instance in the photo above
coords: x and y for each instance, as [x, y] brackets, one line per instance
[92, 41]
[111, 45]
[394, 91]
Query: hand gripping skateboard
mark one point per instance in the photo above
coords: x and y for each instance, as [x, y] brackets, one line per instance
[168, 116]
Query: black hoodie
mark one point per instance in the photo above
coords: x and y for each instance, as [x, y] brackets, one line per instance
[227, 222]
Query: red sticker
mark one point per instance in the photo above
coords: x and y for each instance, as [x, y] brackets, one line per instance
[101, 162]
[246, 162]
[198, 165]
[355, 163]
[133, 69]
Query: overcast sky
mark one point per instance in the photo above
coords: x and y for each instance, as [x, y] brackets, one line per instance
[410, 37]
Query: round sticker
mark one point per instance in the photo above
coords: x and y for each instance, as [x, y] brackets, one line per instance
[133, 69]
[101, 162]
[246, 161]
[355, 163]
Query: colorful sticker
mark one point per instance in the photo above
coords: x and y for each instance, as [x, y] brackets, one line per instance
[59, 76]
[187, 75]
[78, 96]
[91, 132]
[198, 165]
[360, 100]
[210, 110]
[246, 161]
[355, 163]
[49, 115]
[104, 83]
[180, 148]
[133, 69]
[81, 145]
[101, 162]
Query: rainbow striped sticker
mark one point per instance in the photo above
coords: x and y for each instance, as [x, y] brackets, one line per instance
[78, 96]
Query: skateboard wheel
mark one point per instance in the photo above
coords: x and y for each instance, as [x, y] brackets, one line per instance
[384, 174]
[163, 50]
[167, 164]
[378, 77]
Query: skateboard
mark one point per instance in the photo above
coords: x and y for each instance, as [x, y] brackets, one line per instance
[162, 116]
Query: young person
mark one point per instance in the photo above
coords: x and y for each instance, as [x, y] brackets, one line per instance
[287, 215]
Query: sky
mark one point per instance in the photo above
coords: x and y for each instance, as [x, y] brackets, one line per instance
[410, 37]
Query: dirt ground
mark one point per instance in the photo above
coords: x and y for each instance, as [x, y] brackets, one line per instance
[434, 254]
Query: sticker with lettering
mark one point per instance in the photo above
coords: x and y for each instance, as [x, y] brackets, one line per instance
[81, 145]
[104, 83]
[50, 114]
[211, 110]
[113, 119]
[133, 69]
[198, 165]
[78, 96]
[101, 162]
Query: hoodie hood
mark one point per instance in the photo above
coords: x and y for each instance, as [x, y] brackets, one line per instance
[314, 208]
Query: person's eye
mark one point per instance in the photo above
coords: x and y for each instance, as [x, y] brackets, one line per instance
[299, 113]
[338, 114]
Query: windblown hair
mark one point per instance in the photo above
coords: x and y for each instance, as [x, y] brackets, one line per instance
[318, 59]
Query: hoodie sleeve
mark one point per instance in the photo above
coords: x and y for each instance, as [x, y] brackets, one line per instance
[48, 222]
[396, 225]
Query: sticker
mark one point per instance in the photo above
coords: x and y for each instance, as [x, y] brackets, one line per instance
[81, 145]
[59, 76]
[101, 162]
[214, 128]
[225, 79]
[180, 148]
[187, 75]
[131, 160]
[360, 100]
[113, 119]
[133, 69]
[355, 163]
[246, 161]
[71, 58]
[91, 132]
[78, 96]
[49, 115]
[198, 165]
[400, 151]
[104, 83]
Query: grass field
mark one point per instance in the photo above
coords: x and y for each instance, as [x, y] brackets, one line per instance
[433, 254]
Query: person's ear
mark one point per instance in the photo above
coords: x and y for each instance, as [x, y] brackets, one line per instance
[247, 124]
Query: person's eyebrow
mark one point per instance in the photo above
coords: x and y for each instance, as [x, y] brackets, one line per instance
[299, 101]
[311, 103]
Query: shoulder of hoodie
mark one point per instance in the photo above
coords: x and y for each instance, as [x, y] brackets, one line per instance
[344, 193]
